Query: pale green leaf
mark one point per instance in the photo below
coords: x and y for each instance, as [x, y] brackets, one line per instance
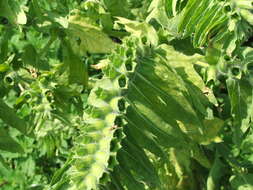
[140, 30]
[157, 11]
[90, 38]
[13, 10]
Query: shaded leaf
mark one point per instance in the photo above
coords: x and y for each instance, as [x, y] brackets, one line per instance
[30, 55]
[7, 143]
[9, 116]
[242, 182]
[78, 72]
[215, 174]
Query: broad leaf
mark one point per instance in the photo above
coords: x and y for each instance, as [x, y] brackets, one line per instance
[9, 116]
[90, 38]
[77, 69]
[8, 144]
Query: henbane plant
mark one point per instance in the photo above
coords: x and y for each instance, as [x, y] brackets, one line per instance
[126, 95]
[133, 107]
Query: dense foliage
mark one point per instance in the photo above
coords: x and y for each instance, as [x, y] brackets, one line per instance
[126, 95]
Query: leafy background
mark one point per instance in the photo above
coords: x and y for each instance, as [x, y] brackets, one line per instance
[129, 94]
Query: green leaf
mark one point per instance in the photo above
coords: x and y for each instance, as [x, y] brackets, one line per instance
[9, 116]
[205, 21]
[199, 155]
[245, 9]
[4, 47]
[30, 55]
[146, 86]
[247, 148]
[157, 11]
[141, 30]
[4, 169]
[215, 174]
[117, 8]
[7, 143]
[131, 155]
[194, 82]
[13, 11]
[60, 172]
[78, 72]
[4, 68]
[242, 182]
[90, 38]
[124, 177]
[212, 128]
[240, 94]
